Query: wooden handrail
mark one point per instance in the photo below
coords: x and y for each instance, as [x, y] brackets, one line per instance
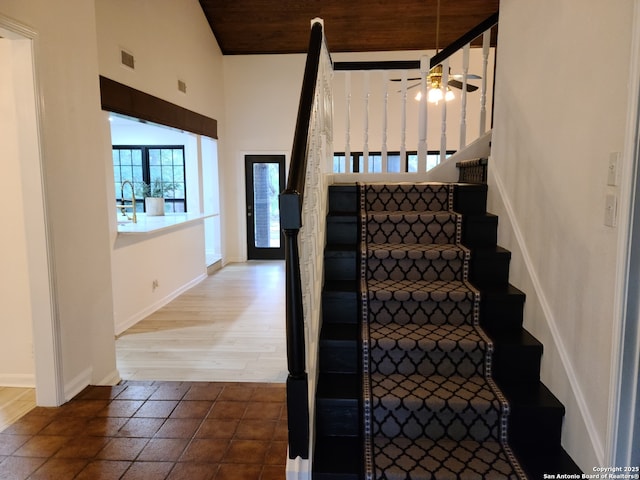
[298, 167]
[291, 222]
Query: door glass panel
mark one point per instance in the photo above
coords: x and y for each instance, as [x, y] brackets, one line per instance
[266, 215]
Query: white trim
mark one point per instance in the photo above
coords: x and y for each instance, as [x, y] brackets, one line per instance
[298, 468]
[78, 383]
[617, 440]
[112, 378]
[18, 380]
[120, 327]
[550, 320]
[46, 328]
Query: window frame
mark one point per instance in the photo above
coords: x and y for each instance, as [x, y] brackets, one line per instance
[146, 175]
[358, 156]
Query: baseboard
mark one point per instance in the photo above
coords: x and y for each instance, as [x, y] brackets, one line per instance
[113, 378]
[25, 380]
[559, 344]
[121, 327]
[214, 267]
[77, 384]
[298, 469]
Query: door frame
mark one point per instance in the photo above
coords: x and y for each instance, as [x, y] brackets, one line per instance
[49, 380]
[623, 435]
[254, 253]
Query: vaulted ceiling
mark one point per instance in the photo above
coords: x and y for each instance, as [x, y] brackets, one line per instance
[282, 26]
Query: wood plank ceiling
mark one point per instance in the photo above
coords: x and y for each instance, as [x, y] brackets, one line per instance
[245, 27]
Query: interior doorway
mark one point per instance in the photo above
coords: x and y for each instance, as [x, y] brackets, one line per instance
[30, 351]
[264, 180]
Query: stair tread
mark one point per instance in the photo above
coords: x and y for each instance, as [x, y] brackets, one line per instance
[415, 251]
[519, 337]
[501, 290]
[448, 458]
[434, 335]
[419, 390]
[535, 395]
[418, 288]
[340, 248]
[342, 216]
[490, 250]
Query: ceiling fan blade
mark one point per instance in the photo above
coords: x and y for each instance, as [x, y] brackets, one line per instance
[470, 76]
[411, 86]
[408, 79]
[458, 84]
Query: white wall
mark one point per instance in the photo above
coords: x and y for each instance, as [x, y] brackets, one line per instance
[73, 136]
[560, 110]
[262, 94]
[175, 260]
[170, 40]
[16, 362]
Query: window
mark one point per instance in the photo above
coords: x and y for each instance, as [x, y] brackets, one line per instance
[393, 161]
[161, 167]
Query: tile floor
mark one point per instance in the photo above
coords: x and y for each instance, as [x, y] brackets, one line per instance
[153, 431]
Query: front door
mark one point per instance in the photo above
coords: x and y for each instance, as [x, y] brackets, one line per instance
[264, 181]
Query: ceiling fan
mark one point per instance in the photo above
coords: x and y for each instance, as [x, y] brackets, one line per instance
[434, 78]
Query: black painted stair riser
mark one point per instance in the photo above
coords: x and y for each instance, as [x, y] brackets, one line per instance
[340, 306]
[489, 267]
[342, 229]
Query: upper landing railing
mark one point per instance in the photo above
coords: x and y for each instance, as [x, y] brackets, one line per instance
[377, 94]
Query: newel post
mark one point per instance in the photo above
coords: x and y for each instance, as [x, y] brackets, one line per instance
[297, 382]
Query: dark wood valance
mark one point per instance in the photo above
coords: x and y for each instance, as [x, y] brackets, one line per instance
[119, 98]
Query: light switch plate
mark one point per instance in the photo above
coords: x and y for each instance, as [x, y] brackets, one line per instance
[610, 212]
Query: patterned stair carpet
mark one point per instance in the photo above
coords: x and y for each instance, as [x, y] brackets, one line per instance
[431, 409]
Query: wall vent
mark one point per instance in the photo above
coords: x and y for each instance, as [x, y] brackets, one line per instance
[182, 86]
[127, 59]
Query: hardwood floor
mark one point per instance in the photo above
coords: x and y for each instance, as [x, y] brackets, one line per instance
[230, 327]
[14, 403]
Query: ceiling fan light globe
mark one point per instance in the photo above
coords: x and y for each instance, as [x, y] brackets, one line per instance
[449, 96]
[435, 95]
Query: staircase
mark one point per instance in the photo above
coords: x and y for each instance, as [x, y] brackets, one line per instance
[535, 415]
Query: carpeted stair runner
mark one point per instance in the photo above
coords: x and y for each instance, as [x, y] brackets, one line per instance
[431, 409]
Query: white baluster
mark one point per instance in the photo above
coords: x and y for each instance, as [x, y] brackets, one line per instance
[403, 122]
[347, 142]
[422, 115]
[385, 99]
[486, 38]
[463, 100]
[443, 125]
[365, 145]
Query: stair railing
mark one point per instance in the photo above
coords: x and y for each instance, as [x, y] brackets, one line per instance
[303, 207]
[359, 107]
